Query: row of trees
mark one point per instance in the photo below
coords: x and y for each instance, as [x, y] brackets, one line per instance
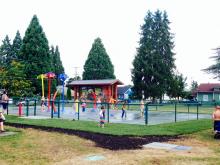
[24, 59]
[154, 72]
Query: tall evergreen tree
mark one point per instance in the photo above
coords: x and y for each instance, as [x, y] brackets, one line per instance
[5, 52]
[35, 53]
[57, 63]
[16, 45]
[154, 63]
[98, 64]
[215, 68]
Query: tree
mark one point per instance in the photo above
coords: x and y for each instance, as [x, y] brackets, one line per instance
[194, 85]
[35, 53]
[154, 63]
[5, 52]
[177, 86]
[69, 96]
[16, 46]
[215, 68]
[56, 62]
[13, 79]
[98, 64]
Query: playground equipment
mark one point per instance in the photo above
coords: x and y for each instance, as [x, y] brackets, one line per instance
[63, 77]
[49, 76]
[42, 76]
[54, 98]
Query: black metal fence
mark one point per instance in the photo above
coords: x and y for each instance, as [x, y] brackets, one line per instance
[152, 114]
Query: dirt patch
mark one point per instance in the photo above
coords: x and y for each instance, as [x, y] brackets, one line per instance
[111, 142]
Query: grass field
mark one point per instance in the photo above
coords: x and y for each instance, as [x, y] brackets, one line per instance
[120, 129]
[36, 147]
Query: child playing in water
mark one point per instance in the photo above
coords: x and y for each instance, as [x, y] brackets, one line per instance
[2, 119]
[102, 117]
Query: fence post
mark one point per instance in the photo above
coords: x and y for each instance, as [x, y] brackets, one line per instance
[108, 112]
[51, 103]
[35, 104]
[175, 112]
[146, 114]
[78, 107]
[197, 111]
[188, 108]
[58, 115]
[27, 107]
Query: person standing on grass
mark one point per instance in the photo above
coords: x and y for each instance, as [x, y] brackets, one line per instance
[2, 119]
[216, 118]
[124, 110]
[102, 117]
[4, 101]
[142, 107]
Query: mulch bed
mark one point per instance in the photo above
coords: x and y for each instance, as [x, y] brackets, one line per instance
[112, 142]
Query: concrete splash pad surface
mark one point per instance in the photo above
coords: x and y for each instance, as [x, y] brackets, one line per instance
[133, 116]
[167, 146]
[35, 117]
[7, 133]
[94, 157]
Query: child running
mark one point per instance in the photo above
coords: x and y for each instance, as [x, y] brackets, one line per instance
[102, 117]
[124, 110]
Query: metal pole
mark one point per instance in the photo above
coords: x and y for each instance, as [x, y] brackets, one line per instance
[35, 106]
[27, 107]
[108, 112]
[63, 98]
[146, 114]
[78, 108]
[175, 111]
[51, 103]
[58, 115]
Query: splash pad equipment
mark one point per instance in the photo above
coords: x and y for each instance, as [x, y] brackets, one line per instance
[49, 76]
[62, 78]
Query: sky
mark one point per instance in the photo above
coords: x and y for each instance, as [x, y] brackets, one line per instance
[73, 25]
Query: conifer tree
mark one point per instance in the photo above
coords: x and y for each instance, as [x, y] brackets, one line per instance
[98, 64]
[16, 45]
[35, 53]
[5, 52]
[154, 63]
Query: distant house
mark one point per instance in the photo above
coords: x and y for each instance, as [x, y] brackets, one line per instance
[124, 92]
[208, 92]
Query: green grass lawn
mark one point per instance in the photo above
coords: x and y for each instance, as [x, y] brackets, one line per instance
[178, 128]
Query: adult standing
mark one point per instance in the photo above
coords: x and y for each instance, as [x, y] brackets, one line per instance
[4, 101]
[216, 118]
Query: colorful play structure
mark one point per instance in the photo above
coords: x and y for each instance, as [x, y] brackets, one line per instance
[50, 76]
[108, 88]
[62, 78]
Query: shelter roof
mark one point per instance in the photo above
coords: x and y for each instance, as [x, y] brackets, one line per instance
[95, 82]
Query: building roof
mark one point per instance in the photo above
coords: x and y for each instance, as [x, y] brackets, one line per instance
[95, 82]
[123, 89]
[207, 87]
